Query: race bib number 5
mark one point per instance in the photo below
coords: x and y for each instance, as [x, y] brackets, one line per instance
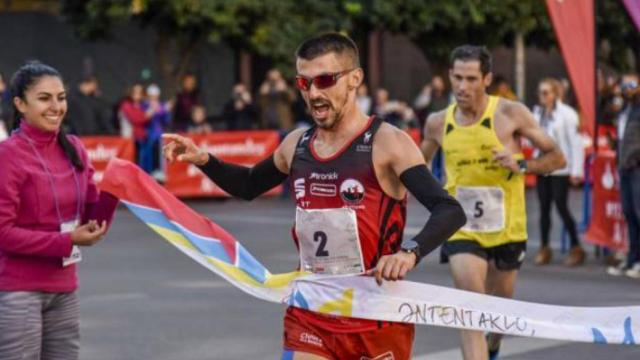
[329, 241]
[484, 207]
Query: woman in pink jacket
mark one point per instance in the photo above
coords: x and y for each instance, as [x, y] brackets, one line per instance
[49, 208]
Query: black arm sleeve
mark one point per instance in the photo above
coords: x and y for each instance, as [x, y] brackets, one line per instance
[447, 216]
[243, 182]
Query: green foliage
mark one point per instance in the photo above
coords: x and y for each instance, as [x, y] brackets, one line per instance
[273, 28]
[618, 31]
[436, 27]
[270, 28]
[290, 22]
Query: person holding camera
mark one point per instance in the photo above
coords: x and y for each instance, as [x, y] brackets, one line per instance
[239, 112]
[275, 100]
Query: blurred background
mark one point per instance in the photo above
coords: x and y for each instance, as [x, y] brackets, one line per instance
[222, 72]
[403, 44]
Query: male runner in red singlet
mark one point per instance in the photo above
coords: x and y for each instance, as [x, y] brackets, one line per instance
[349, 177]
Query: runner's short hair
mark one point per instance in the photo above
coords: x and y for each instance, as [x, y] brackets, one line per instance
[473, 53]
[329, 43]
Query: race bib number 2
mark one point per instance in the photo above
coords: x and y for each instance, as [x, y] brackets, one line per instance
[484, 207]
[329, 241]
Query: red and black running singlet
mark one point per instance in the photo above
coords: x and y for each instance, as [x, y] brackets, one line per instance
[347, 180]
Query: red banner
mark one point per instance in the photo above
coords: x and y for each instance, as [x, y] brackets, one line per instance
[633, 7]
[415, 135]
[573, 22]
[101, 149]
[238, 147]
[607, 226]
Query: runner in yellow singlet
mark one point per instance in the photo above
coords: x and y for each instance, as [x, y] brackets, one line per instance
[480, 138]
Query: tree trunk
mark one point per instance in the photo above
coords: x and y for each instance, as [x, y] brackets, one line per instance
[163, 57]
[520, 70]
[171, 72]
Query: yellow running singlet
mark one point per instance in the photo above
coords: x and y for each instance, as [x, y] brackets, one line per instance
[492, 197]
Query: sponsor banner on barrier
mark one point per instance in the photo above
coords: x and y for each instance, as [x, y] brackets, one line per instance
[359, 296]
[607, 226]
[238, 147]
[101, 149]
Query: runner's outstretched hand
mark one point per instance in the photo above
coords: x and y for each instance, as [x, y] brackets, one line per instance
[181, 148]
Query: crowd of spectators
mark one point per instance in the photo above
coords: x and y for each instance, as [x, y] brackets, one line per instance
[143, 113]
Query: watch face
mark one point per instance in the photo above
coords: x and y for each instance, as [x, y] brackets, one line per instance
[522, 164]
[409, 245]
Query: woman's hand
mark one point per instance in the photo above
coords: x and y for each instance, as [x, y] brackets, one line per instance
[89, 233]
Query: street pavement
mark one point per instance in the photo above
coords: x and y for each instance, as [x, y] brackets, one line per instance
[143, 299]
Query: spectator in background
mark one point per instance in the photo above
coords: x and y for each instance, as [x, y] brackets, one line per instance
[611, 101]
[629, 167]
[186, 99]
[364, 100]
[275, 100]
[239, 112]
[567, 95]
[400, 115]
[199, 123]
[433, 97]
[159, 116]
[88, 113]
[396, 113]
[380, 103]
[502, 88]
[5, 108]
[561, 123]
[133, 118]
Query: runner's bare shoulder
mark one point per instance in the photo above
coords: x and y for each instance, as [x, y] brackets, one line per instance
[391, 136]
[394, 146]
[515, 111]
[434, 125]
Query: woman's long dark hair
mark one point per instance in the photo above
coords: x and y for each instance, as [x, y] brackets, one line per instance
[21, 81]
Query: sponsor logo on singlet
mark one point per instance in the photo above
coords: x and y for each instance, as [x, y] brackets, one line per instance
[365, 146]
[300, 149]
[298, 187]
[352, 191]
[367, 137]
[323, 176]
[327, 190]
[304, 138]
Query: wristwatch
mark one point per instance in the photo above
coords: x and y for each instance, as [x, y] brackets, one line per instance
[411, 247]
[522, 165]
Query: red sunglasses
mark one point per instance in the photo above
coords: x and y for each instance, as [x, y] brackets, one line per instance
[321, 81]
